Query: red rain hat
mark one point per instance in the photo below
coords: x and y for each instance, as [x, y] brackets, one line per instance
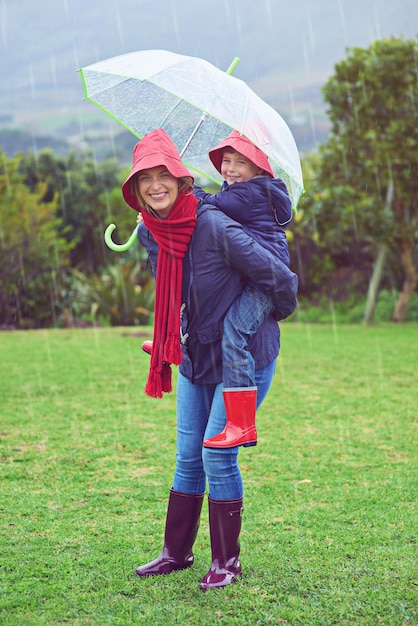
[241, 144]
[155, 148]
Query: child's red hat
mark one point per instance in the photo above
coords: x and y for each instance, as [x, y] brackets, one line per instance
[241, 144]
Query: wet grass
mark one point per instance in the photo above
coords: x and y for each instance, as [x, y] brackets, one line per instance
[87, 461]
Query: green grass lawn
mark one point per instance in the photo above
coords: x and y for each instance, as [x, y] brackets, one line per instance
[329, 535]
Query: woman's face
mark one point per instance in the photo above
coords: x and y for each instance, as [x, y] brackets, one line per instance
[159, 189]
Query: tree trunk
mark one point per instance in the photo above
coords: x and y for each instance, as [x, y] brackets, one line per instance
[409, 284]
[374, 284]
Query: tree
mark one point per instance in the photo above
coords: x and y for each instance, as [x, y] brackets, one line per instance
[86, 200]
[33, 251]
[372, 154]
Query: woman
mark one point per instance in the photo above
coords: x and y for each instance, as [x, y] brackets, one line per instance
[204, 259]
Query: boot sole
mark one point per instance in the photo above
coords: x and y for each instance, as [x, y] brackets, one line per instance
[209, 587]
[248, 444]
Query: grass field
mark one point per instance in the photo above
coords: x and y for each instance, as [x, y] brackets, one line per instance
[329, 535]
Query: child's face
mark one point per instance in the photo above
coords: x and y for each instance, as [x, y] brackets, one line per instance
[236, 168]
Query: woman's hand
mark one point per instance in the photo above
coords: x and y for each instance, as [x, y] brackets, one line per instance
[139, 219]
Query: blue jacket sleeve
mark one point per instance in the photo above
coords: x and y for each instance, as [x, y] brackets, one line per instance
[147, 240]
[259, 266]
[236, 201]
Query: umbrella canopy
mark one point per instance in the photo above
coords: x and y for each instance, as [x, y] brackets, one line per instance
[152, 89]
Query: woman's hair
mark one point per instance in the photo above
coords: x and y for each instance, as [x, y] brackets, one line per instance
[185, 182]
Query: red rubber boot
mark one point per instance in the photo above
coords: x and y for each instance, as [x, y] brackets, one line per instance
[147, 347]
[240, 405]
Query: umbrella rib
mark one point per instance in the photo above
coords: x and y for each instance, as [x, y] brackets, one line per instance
[171, 111]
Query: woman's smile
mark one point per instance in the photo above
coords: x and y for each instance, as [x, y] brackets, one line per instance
[159, 188]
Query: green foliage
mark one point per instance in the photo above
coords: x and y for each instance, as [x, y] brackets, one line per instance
[368, 164]
[311, 258]
[87, 461]
[115, 295]
[386, 303]
[351, 309]
[360, 191]
[88, 196]
[34, 253]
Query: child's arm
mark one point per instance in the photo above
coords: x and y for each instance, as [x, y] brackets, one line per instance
[208, 198]
[235, 201]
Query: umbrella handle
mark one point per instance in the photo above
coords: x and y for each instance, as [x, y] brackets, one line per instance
[122, 247]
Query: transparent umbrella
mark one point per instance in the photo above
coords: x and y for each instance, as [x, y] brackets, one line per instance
[197, 104]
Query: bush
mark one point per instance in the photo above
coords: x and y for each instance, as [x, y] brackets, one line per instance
[351, 310]
[34, 254]
[114, 297]
[386, 304]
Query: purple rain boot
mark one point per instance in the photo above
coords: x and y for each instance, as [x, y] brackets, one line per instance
[182, 524]
[225, 528]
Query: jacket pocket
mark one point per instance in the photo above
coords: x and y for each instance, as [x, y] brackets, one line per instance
[210, 333]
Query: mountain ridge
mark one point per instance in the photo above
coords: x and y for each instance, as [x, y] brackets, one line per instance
[287, 50]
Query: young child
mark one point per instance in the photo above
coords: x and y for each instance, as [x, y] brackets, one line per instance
[253, 197]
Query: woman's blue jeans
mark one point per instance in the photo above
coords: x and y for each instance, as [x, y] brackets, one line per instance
[200, 415]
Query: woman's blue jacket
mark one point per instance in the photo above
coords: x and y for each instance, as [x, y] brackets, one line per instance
[221, 259]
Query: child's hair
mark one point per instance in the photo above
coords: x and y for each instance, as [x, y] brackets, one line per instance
[186, 182]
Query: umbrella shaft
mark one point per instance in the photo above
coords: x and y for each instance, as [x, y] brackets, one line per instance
[198, 125]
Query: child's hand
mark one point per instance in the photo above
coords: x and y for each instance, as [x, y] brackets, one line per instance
[139, 219]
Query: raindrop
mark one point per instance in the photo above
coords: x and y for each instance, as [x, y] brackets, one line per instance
[53, 67]
[67, 12]
[342, 16]
[292, 101]
[175, 24]
[312, 122]
[376, 32]
[111, 135]
[306, 57]
[75, 56]
[227, 11]
[81, 130]
[309, 337]
[31, 82]
[379, 367]
[355, 228]
[4, 24]
[269, 13]
[238, 24]
[34, 144]
[311, 33]
[119, 23]
[334, 320]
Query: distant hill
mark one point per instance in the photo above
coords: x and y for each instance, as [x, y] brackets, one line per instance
[287, 49]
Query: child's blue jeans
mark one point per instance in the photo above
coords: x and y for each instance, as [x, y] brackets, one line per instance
[201, 415]
[243, 319]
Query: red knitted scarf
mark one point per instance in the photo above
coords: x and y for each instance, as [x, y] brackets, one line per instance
[172, 236]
